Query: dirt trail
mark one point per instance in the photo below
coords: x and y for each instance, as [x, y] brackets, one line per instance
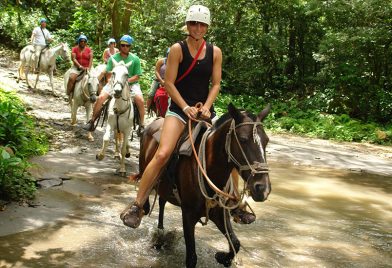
[71, 160]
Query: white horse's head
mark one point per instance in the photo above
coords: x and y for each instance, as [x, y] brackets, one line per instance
[119, 77]
[92, 85]
[64, 51]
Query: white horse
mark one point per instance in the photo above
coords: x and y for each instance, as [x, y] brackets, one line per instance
[84, 94]
[47, 63]
[120, 119]
[101, 71]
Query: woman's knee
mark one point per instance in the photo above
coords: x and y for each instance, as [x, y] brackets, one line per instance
[162, 156]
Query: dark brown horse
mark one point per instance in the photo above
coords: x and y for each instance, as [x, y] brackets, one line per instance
[237, 140]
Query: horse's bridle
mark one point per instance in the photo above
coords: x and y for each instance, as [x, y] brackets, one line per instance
[256, 167]
[117, 112]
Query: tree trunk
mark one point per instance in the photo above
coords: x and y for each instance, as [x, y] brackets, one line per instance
[116, 19]
[126, 17]
[100, 24]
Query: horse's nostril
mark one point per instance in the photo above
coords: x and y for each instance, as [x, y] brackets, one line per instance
[260, 187]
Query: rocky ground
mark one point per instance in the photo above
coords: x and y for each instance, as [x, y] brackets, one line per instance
[71, 159]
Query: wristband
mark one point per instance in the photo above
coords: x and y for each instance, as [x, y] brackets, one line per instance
[185, 108]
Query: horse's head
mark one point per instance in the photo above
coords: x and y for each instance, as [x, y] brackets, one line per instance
[64, 51]
[92, 86]
[246, 145]
[119, 78]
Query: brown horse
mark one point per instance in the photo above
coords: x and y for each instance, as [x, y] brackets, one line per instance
[237, 140]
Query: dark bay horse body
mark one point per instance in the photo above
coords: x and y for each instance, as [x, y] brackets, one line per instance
[237, 140]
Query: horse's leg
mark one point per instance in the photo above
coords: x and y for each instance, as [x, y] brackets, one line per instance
[36, 80]
[117, 141]
[160, 241]
[88, 107]
[27, 76]
[162, 204]
[106, 138]
[124, 150]
[188, 224]
[218, 217]
[50, 73]
[74, 110]
[20, 71]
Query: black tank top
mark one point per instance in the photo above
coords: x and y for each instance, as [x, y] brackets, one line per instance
[195, 86]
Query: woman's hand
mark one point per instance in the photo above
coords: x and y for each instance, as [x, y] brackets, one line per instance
[205, 112]
[191, 112]
[194, 112]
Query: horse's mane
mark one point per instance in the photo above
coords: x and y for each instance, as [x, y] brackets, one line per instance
[227, 116]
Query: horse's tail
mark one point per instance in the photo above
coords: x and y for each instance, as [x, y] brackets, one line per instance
[23, 62]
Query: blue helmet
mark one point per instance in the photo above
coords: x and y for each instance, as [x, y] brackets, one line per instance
[126, 39]
[82, 37]
[42, 20]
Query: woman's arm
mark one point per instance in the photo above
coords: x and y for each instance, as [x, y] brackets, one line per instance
[158, 66]
[90, 64]
[216, 78]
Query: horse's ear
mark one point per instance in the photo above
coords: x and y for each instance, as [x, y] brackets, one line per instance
[128, 64]
[235, 113]
[115, 63]
[263, 114]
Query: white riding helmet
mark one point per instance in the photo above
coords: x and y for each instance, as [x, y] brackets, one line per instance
[198, 13]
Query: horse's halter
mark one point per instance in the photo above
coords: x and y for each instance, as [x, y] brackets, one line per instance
[122, 85]
[256, 167]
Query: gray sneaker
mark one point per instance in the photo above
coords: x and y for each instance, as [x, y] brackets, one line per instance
[89, 126]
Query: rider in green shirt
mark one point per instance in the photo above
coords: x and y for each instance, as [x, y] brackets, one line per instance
[134, 73]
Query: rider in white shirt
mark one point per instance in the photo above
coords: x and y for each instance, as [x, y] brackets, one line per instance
[40, 38]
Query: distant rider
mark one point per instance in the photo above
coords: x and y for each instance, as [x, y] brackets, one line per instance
[134, 73]
[40, 39]
[110, 50]
[82, 59]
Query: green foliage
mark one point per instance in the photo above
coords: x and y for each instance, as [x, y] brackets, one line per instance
[15, 183]
[18, 133]
[17, 128]
[333, 57]
[299, 118]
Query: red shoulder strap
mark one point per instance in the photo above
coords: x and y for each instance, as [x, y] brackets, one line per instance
[192, 64]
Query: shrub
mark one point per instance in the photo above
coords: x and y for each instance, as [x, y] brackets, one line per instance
[15, 183]
[19, 134]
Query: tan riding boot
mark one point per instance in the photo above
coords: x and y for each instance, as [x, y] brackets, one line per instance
[240, 215]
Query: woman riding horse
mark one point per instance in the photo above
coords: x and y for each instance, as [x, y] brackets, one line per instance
[193, 88]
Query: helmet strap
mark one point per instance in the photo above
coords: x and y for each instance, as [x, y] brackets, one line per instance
[193, 37]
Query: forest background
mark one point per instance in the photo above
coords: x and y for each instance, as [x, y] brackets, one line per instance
[324, 65]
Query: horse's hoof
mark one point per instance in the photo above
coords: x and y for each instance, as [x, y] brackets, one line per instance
[116, 156]
[99, 157]
[127, 155]
[90, 139]
[223, 258]
[158, 240]
[123, 173]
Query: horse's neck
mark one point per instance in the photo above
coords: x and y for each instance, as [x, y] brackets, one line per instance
[56, 50]
[218, 165]
[52, 53]
[81, 89]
